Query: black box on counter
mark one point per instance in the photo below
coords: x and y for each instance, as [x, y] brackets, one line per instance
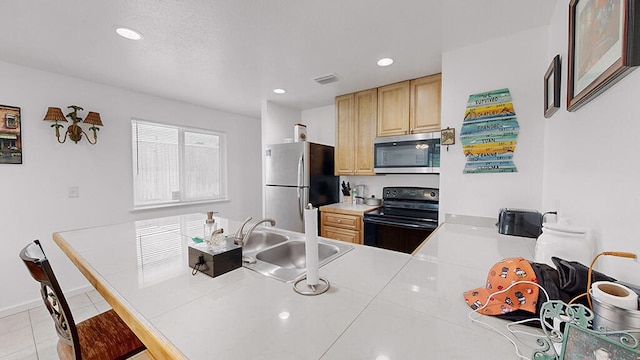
[215, 261]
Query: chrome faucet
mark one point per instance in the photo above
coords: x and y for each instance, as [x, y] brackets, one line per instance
[244, 239]
[237, 239]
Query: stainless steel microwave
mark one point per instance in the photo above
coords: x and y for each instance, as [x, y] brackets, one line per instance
[407, 154]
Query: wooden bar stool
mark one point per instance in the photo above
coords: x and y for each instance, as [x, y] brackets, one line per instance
[102, 337]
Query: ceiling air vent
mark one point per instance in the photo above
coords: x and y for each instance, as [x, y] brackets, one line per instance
[323, 80]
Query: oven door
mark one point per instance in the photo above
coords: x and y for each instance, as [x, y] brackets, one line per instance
[396, 234]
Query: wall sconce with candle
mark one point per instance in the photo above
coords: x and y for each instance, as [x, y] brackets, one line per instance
[74, 131]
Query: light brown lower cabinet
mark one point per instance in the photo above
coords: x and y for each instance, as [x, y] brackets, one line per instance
[345, 227]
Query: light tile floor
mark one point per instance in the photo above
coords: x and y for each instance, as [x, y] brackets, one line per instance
[31, 335]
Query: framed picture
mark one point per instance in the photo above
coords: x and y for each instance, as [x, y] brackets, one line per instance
[552, 87]
[579, 344]
[603, 46]
[447, 136]
[10, 135]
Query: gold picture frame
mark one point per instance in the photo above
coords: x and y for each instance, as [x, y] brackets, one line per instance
[447, 136]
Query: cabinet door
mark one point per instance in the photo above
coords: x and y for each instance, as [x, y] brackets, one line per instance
[425, 104]
[340, 234]
[366, 117]
[345, 130]
[393, 109]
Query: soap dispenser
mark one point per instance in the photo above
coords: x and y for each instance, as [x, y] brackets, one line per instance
[212, 235]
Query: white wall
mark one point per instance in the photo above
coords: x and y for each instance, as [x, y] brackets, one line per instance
[591, 173]
[508, 62]
[320, 123]
[581, 164]
[277, 122]
[34, 197]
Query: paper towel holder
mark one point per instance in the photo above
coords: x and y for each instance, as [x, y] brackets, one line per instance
[306, 289]
[322, 287]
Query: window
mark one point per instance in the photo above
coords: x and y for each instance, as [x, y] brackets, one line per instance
[174, 165]
[11, 122]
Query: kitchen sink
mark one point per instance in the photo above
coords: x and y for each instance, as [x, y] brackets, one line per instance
[260, 239]
[291, 255]
[282, 255]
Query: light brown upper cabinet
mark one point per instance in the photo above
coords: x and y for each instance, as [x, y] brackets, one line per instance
[393, 109]
[356, 116]
[410, 107]
[345, 133]
[424, 109]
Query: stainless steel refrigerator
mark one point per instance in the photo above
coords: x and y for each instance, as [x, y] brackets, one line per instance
[297, 174]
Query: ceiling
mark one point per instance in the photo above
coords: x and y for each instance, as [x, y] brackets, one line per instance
[230, 55]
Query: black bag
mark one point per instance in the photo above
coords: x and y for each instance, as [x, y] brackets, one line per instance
[573, 276]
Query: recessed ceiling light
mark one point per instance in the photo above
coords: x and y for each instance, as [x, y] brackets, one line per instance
[279, 91]
[385, 62]
[128, 33]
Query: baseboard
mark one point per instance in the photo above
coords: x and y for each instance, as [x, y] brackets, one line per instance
[31, 304]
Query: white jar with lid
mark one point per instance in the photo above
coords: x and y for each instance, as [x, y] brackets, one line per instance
[299, 132]
[565, 242]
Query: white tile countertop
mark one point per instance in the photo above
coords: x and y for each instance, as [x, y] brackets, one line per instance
[381, 304]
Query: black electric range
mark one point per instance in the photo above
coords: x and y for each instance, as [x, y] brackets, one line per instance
[408, 215]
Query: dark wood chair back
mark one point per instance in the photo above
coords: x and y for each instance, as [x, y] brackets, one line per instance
[36, 261]
[103, 337]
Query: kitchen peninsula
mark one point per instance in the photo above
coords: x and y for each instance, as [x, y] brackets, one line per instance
[381, 304]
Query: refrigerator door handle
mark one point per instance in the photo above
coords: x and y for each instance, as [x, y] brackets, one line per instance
[300, 184]
[301, 170]
[300, 205]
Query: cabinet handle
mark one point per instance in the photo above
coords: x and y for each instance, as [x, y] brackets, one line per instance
[405, 130]
[339, 221]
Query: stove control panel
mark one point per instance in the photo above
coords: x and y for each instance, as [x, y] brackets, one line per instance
[410, 193]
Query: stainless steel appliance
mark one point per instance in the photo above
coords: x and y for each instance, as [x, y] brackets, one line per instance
[297, 174]
[408, 154]
[408, 215]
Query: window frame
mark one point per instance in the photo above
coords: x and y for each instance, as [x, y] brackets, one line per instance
[182, 201]
[11, 121]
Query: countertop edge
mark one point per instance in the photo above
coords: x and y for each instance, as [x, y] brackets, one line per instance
[349, 209]
[159, 346]
[426, 240]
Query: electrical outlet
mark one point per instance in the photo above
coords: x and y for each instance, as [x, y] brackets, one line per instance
[74, 191]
